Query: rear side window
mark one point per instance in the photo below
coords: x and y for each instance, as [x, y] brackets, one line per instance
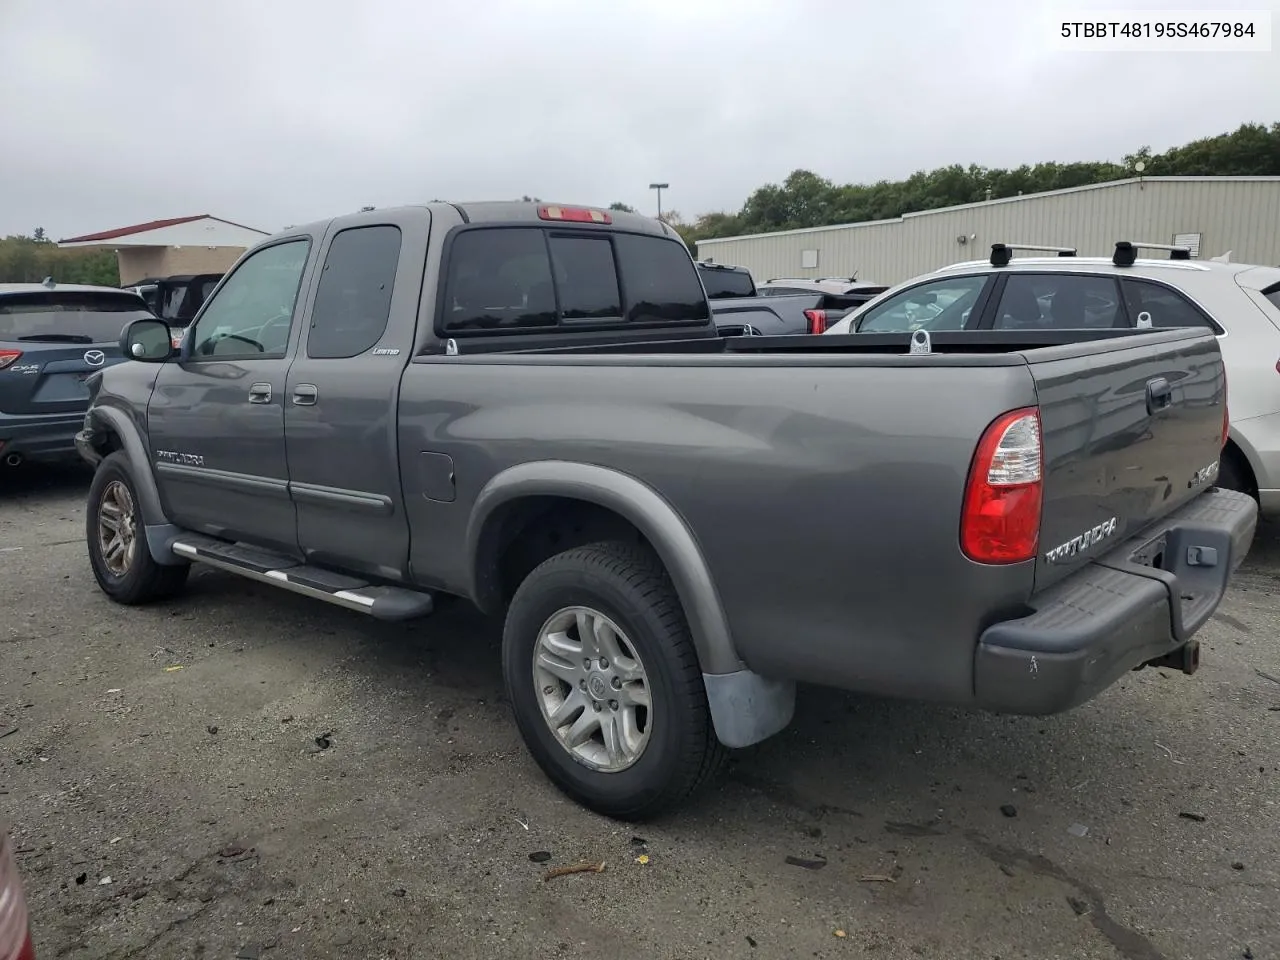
[1273, 294]
[1059, 301]
[353, 299]
[69, 316]
[1167, 307]
[518, 277]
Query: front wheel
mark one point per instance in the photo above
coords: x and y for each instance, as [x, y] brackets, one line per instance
[122, 563]
[605, 683]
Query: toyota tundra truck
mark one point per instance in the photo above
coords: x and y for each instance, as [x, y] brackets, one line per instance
[528, 406]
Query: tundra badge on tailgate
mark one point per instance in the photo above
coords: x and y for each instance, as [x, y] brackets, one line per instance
[1203, 475]
[1093, 535]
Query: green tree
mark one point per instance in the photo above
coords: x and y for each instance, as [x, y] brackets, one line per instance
[806, 199]
[621, 207]
[31, 259]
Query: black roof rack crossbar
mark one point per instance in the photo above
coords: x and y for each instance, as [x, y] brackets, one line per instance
[1127, 252]
[1002, 253]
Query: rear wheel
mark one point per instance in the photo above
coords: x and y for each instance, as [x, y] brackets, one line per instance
[122, 564]
[605, 683]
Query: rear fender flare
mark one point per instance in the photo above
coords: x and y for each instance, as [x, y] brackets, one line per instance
[646, 509]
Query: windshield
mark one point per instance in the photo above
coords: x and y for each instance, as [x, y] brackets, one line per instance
[85, 316]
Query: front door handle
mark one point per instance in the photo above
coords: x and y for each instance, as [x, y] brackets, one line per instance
[260, 393]
[1159, 394]
[305, 394]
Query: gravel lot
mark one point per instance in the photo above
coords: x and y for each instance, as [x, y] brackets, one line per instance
[169, 798]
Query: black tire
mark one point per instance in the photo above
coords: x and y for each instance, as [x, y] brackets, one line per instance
[628, 584]
[143, 580]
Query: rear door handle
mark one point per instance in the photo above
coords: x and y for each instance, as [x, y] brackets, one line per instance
[1159, 394]
[305, 394]
[260, 393]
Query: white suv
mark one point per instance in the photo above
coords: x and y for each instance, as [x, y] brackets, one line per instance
[1239, 302]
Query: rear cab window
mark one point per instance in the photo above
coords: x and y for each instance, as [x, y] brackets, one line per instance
[723, 283]
[534, 278]
[70, 316]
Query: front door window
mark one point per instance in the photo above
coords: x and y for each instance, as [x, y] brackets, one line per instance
[250, 316]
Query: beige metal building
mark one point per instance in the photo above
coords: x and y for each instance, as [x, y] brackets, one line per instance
[1213, 215]
[165, 248]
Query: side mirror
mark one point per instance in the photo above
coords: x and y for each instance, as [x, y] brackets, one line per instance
[147, 340]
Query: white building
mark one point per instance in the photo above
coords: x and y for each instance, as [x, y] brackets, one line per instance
[1214, 215]
[166, 248]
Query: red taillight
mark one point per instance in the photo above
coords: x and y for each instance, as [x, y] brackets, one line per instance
[574, 214]
[1002, 499]
[8, 356]
[15, 936]
[817, 320]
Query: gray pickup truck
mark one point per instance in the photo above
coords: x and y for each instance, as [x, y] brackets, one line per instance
[528, 406]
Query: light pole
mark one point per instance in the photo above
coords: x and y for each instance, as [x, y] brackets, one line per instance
[659, 187]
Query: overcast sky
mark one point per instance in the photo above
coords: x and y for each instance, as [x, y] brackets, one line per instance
[273, 112]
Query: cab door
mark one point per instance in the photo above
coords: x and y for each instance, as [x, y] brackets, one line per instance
[342, 395]
[216, 417]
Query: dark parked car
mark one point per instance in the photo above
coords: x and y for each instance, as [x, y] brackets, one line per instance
[52, 337]
[777, 307]
[529, 406]
[176, 299]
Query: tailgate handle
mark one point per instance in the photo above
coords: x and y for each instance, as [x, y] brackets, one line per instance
[1159, 394]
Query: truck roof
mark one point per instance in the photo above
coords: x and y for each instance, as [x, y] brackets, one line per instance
[508, 211]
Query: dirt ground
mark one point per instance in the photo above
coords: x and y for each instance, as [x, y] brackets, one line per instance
[245, 773]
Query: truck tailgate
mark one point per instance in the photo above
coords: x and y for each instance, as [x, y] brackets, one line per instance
[1132, 429]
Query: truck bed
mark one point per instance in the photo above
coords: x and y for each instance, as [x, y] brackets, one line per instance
[856, 478]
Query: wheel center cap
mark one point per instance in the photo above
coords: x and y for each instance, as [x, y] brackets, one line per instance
[598, 687]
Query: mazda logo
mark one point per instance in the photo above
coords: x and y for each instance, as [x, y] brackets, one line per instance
[95, 358]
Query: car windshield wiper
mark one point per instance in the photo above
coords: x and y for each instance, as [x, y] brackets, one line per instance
[56, 338]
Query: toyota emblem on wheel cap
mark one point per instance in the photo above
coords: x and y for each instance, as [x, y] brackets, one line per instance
[95, 358]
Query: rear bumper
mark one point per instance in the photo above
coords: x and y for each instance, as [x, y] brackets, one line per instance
[40, 436]
[1138, 603]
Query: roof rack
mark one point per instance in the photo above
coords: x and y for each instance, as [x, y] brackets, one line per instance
[853, 279]
[1002, 253]
[1127, 252]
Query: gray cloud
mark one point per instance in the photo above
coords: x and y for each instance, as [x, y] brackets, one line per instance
[279, 112]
